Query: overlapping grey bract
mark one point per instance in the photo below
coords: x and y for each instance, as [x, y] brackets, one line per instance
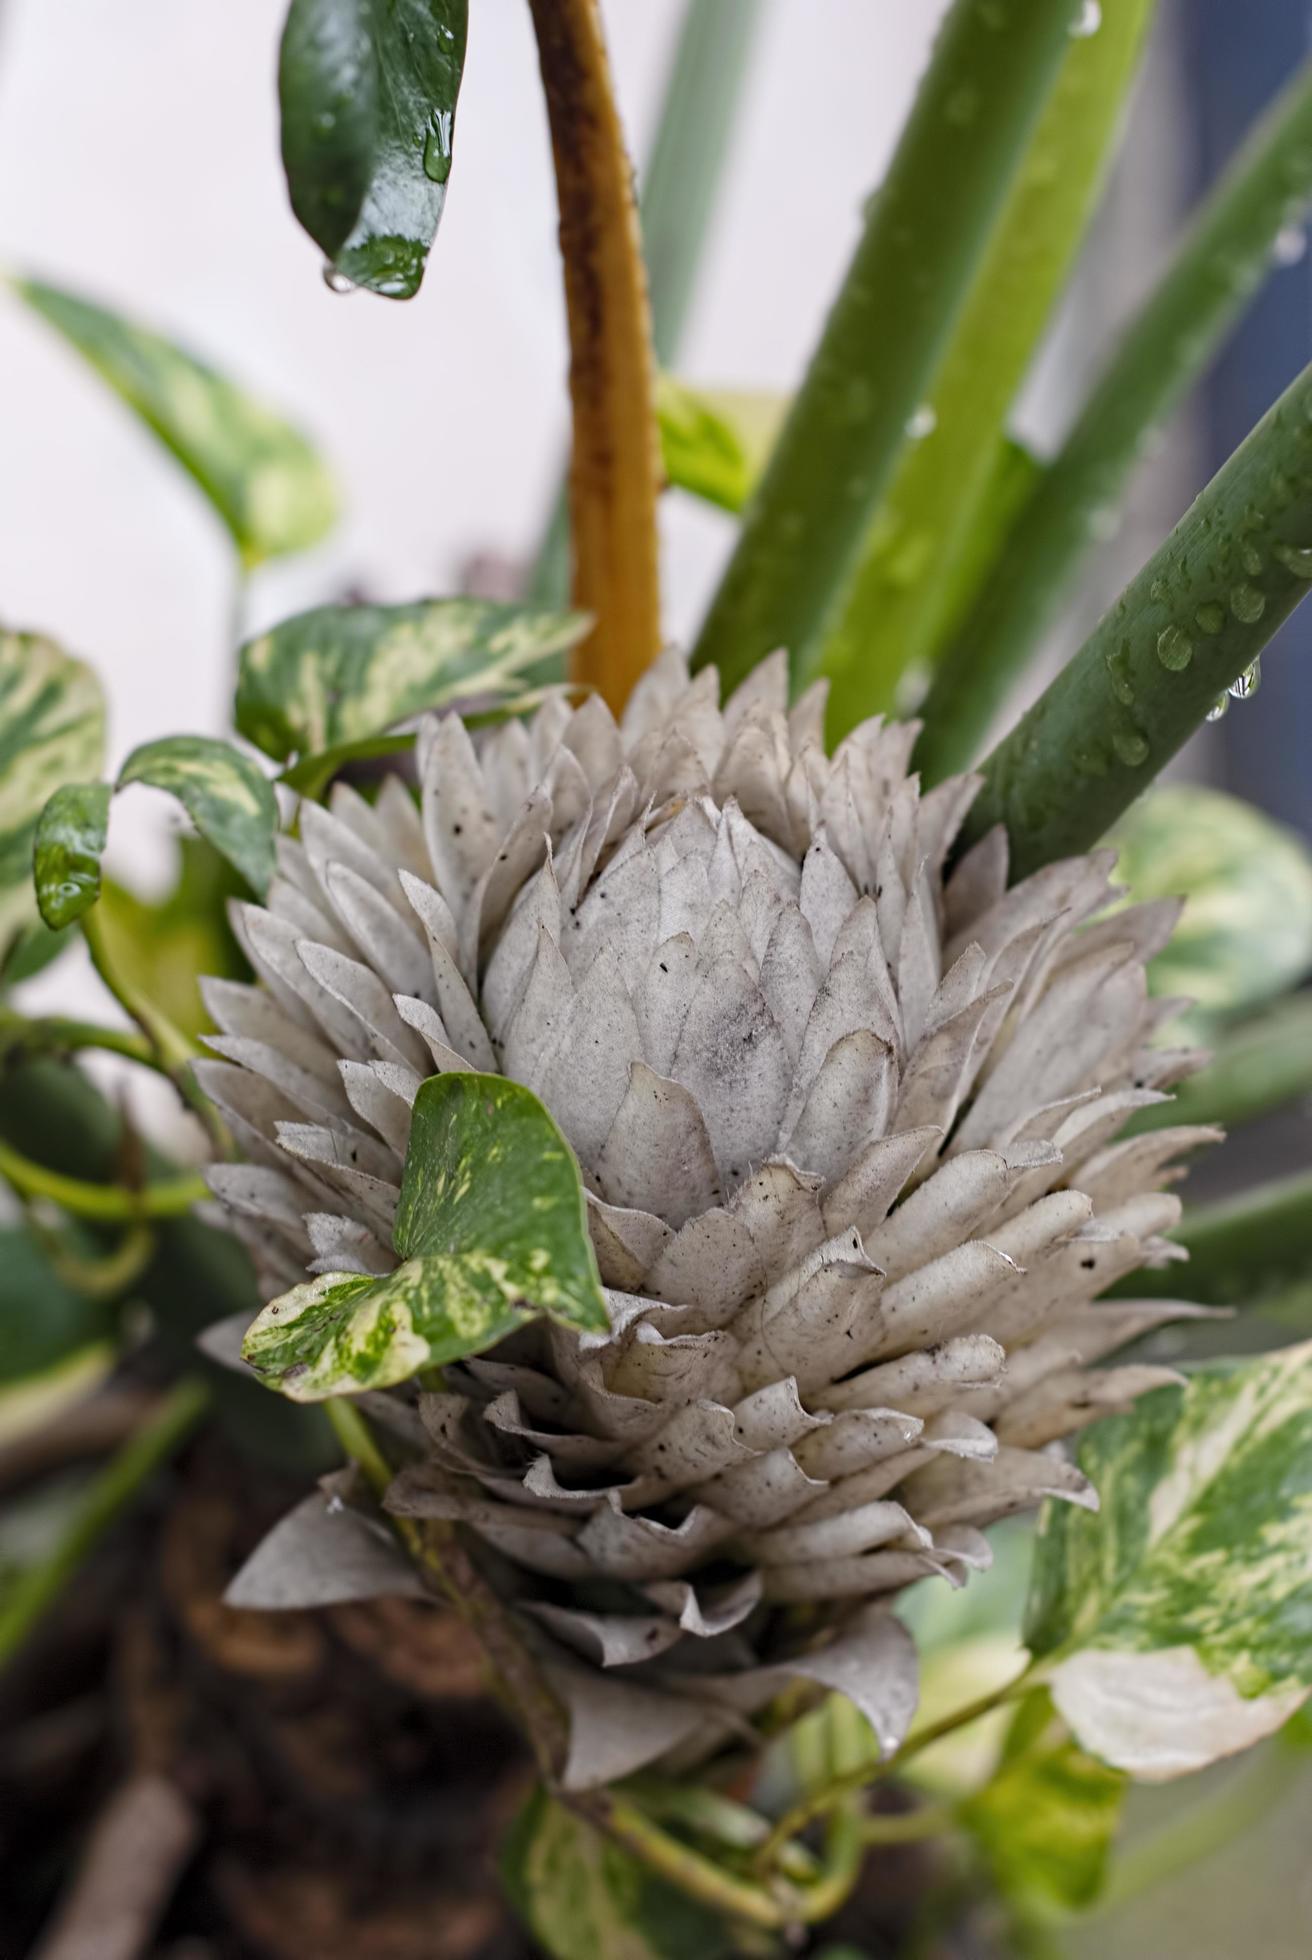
[847, 1128]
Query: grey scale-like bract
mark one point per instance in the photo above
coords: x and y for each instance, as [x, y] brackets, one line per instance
[848, 1128]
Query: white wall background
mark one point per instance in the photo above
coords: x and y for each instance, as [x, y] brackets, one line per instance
[139, 162]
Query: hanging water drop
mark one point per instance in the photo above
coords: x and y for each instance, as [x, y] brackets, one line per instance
[335, 281]
[1247, 684]
[923, 423]
[1220, 708]
[1290, 245]
[1088, 21]
[1247, 603]
[437, 148]
[1296, 558]
[1174, 649]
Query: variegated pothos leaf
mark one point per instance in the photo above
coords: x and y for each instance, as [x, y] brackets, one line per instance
[223, 792]
[343, 673]
[52, 730]
[492, 1230]
[1176, 1620]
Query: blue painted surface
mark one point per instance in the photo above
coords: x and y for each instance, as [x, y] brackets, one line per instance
[1237, 53]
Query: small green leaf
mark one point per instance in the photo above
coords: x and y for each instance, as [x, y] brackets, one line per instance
[223, 792]
[261, 475]
[1246, 931]
[492, 1228]
[52, 729]
[584, 1898]
[715, 442]
[1046, 1818]
[66, 853]
[346, 673]
[1175, 1621]
[368, 94]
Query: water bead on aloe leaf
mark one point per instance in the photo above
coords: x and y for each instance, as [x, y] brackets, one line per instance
[1174, 649]
[1246, 685]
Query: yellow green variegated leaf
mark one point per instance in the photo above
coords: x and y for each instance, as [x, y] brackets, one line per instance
[52, 730]
[265, 480]
[1246, 931]
[579, 1894]
[715, 441]
[491, 1228]
[1174, 1622]
[342, 674]
[66, 852]
[230, 801]
[1047, 1816]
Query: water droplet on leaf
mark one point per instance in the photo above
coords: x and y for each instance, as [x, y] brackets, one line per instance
[1290, 245]
[923, 423]
[1210, 617]
[1247, 683]
[1295, 558]
[1247, 603]
[335, 281]
[1220, 708]
[1130, 747]
[1250, 557]
[1088, 21]
[1174, 649]
[437, 148]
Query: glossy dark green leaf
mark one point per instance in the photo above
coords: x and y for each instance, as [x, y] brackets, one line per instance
[1174, 1621]
[584, 1898]
[492, 1230]
[260, 474]
[52, 731]
[224, 793]
[342, 674]
[1046, 1818]
[368, 92]
[1245, 934]
[44, 1321]
[66, 852]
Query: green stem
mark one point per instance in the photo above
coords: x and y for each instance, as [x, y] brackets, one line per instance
[677, 191]
[53, 1034]
[112, 1204]
[924, 236]
[938, 502]
[1239, 1250]
[107, 1277]
[359, 1445]
[1214, 273]
[1259, 1065]
[1205, 1828]
[817, 1802]
[1196, 617]
[35, 1591]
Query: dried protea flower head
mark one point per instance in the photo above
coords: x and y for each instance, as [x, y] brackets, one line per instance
[846, 1123]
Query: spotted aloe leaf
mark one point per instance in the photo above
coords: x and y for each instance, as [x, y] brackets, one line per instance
[491, 1229]
[342, 674]
[52, 730]
[261, 475]
[368, 94]
[1174, 1623]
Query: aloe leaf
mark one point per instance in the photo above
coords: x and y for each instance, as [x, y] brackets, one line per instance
[676, 195]
[1189, 626]
[924, 236]
[482, 1252]
[942, 492]
[1215, 271]
[345, 674]
[1173, 1621]
[262, 477]
[368, 95]
[52, 728]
